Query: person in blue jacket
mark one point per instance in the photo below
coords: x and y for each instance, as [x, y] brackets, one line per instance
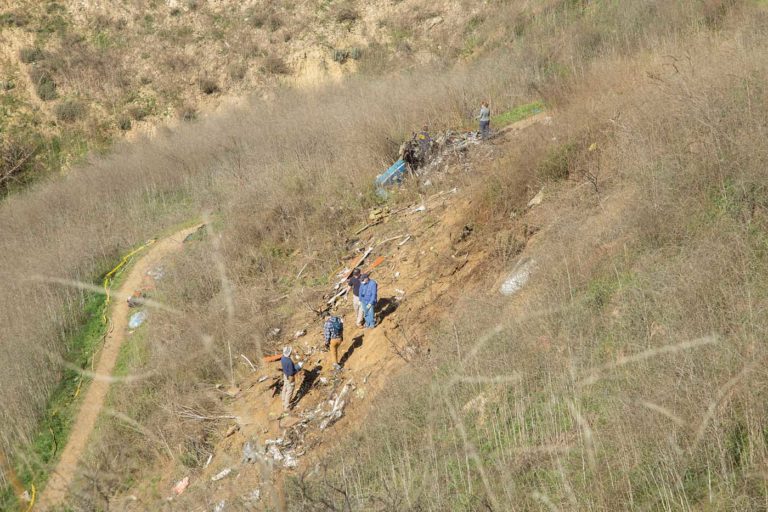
[290, 369]
[368, 296]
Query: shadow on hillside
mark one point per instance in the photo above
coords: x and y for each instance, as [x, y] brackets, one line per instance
[310, 376]
[357, 342]
[386, 306]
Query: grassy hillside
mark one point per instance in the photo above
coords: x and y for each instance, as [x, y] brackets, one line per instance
[628, 373]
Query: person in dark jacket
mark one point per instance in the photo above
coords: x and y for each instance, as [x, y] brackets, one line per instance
[368, 297]
[289, 377]
[354, 286]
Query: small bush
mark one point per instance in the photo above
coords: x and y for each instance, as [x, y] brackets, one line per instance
[208, 85]
[124, 122]
[237, 71]
[70, 111]
[138, 112]
[275, 65]
[347, 14]
[187, 113]
[557, 164]
[13, 19]
[45, 85]
[30, 54]
[340, 55]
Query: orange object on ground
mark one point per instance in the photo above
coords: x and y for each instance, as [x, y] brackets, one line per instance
[378, 261]
[273, 358]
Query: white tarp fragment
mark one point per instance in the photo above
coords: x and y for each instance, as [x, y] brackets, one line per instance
[518, 278]
[137, 319]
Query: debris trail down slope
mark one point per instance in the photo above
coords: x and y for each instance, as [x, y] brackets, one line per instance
[64, 472]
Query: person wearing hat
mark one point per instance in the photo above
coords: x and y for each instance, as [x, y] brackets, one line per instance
[354, 286]
[289, 377]
[368, 296]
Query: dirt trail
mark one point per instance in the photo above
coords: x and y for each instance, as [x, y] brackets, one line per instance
[61, 477]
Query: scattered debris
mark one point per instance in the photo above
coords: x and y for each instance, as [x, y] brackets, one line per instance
[275, 332]
[253, 497]
[391, 176]
[249, 362]
[221, 474]
[250, 453]
[197, 234]
[518, 278]
[465, 232]
[208, 462]
[136, 299]
[219, 506]
[419, 209]
[262, 379]
[403, 243]
[137, 319]
[537, 199]
[156, 273]
[299, 334]
[337, 408]
[181, 486]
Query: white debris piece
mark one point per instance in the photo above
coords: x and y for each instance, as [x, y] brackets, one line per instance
[299, 334]
[337, 409]
[518, 278]
[537, 199]
[250, 454]
[253, 497]
[137, 319]
[221, 474]
[156, 273]
[219, 506]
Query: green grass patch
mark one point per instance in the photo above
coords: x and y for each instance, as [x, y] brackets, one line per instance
[517, 114]
[45, 448]
[32, 464]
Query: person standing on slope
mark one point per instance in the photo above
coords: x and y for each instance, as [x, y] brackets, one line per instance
[354, 286]
[289, 377]
[368, 296]
[425, 145]
[485, 120]
[333, 330]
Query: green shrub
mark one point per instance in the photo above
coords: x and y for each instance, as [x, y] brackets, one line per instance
[30, 54]
[557, 164]
[124, 122]
[45, 85]
[70, 111]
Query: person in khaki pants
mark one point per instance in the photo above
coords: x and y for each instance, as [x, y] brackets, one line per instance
[289, 377]
[333, 330]
[354, 286]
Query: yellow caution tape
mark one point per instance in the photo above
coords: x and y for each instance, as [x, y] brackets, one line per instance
[32, 498]
[111, 274]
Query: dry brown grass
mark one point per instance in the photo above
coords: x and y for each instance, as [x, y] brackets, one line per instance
[628, 375]
[288, 177]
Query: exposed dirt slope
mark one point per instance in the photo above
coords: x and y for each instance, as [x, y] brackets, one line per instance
[56, 489]
[421, 276]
